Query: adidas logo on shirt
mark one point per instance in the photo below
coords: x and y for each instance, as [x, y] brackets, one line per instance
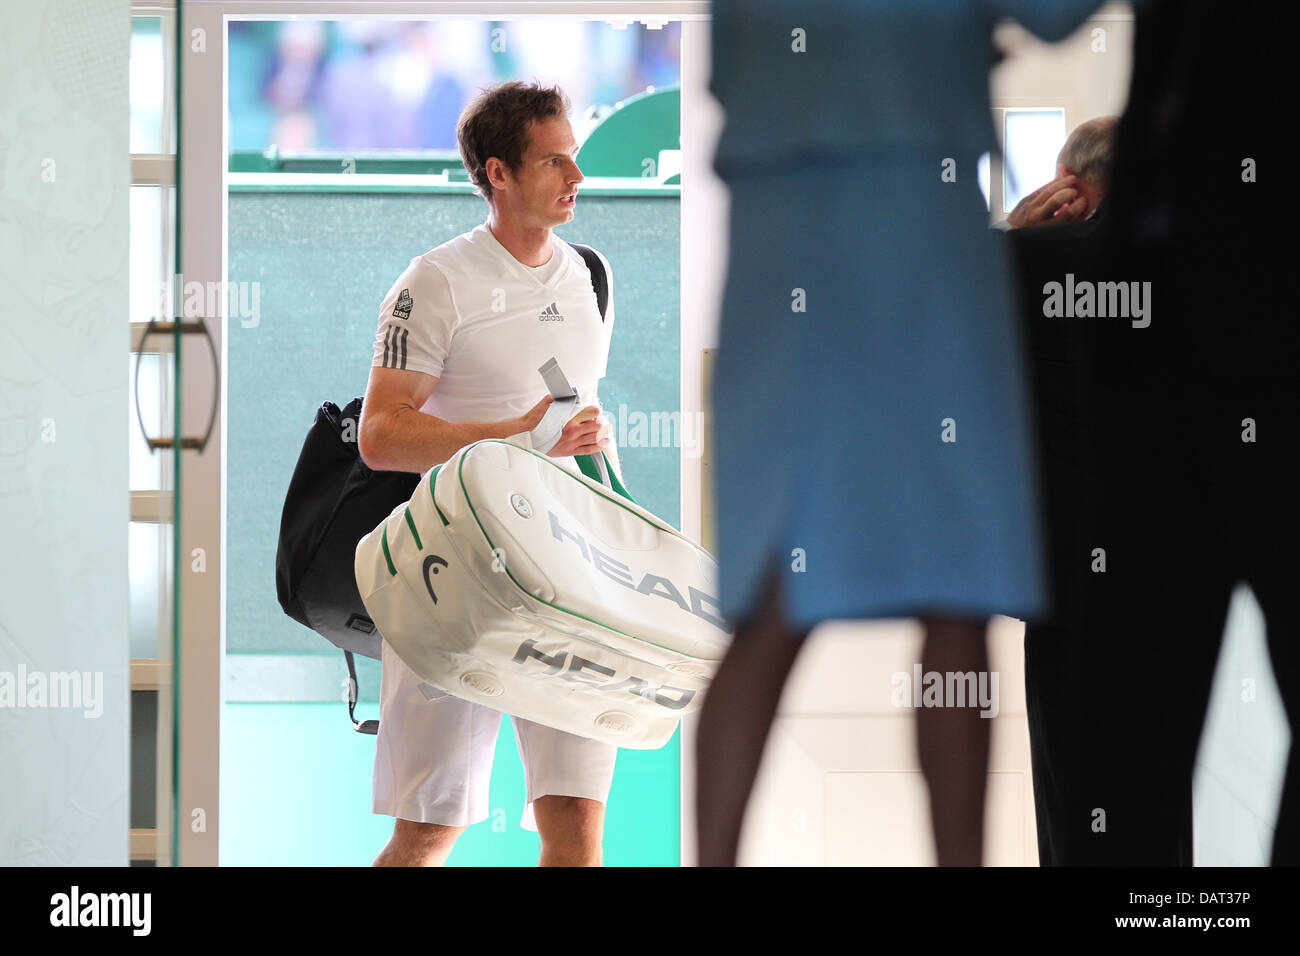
[550, 314]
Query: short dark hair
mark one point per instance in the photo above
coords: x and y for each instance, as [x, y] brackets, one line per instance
[496, 123]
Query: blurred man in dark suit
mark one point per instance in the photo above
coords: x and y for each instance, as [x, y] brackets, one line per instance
[1192, 409]
[1197, 411]
[1059, 229]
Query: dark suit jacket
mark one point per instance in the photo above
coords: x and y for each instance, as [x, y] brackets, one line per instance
[1202, 101]
[1058, 349]
[1059, 373]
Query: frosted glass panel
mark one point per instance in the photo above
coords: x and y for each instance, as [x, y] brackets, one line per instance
[1032, 140]
[64, 500]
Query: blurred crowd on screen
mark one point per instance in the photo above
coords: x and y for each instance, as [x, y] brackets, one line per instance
[391, 84]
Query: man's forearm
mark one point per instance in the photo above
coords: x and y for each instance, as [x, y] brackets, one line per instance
[409, 440]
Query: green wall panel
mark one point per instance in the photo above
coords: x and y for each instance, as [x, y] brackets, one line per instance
[323, 263]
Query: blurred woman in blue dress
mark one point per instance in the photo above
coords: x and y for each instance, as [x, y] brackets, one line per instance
[874, 454]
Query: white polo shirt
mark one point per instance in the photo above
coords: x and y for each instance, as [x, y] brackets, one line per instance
[480, 320]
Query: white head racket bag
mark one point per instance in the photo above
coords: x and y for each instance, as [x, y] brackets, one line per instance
[511, 581]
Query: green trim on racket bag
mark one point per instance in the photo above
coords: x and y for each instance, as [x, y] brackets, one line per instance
[410, 522]
[433, 476]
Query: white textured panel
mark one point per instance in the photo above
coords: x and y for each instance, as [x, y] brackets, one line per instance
[792, 818]
[1006, 810]
[847, 666]
[64, 504]
[883, 819]
[877, 819]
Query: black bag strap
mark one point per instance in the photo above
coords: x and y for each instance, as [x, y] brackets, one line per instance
[599, 280]
[364, 726]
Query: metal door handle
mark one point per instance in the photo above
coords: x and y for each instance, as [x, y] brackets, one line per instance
[185, 328]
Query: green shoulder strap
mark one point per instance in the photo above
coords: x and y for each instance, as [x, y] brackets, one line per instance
[588, 467]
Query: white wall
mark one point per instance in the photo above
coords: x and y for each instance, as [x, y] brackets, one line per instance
[1242, 761]
[705, 205]
[1088, 71]
[63, 425]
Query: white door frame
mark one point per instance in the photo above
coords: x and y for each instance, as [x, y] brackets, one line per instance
[201, 257]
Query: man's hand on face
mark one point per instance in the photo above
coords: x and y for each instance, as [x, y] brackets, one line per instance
[1058, 201]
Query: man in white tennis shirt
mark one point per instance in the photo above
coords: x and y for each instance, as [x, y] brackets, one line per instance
[462, 334]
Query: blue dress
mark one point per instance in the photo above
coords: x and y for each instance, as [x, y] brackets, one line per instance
[872, 437]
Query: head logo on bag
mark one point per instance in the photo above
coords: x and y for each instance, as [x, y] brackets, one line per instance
[432, 561]
[651, 584]
[583, 671]
[616, 722]
[482, 683]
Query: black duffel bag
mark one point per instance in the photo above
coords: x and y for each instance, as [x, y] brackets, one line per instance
[334, 500]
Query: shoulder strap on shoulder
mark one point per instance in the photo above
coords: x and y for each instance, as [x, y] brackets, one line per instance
[599, 281]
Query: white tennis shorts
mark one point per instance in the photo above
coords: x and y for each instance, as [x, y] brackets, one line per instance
[433, 755]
